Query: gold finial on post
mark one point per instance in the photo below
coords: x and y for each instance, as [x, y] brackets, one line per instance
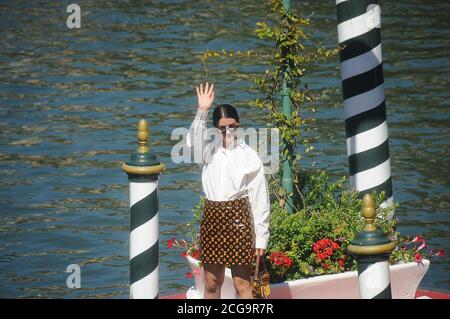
[369, 213]
[371, 241]
[142, 135]
[142, 161]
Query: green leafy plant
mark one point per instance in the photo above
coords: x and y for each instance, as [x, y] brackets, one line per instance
[285, 67]
[314, 239]
[329, 219]
[415, 249]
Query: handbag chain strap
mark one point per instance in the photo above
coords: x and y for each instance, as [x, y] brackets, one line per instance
[258, 260]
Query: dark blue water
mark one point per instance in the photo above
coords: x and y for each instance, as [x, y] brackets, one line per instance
[70, 101]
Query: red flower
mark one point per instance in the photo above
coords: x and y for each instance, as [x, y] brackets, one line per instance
[415, 249]
[341, 262]
[189, 275]
[418, 258]
[440, 253]
[280, 259]
[184, 254]
[196, 254]
[418, 239]
[288, 262]
[325, 248]
[169, 243]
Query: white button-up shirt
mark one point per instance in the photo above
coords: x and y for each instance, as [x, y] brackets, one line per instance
[232, 173]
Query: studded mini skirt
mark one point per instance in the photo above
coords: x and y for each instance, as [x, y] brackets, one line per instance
[227, 234]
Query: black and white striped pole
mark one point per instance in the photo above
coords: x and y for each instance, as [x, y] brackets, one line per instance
[359, 31]
[143, 171]
[371, 250]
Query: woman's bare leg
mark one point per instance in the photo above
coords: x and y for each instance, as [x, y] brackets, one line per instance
[241, 280]
[214, 276]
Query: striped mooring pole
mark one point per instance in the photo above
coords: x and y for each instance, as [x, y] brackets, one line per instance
[371, 250]
[143, 171]
[359, 31]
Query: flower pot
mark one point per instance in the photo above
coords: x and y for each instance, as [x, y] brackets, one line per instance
[405, 279]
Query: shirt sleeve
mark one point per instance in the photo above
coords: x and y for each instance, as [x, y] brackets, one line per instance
[259, 199]
[196, 138]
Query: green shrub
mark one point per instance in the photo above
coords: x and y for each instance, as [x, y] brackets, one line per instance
[329, 211]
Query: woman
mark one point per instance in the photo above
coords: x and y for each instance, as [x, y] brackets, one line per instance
[235, 222]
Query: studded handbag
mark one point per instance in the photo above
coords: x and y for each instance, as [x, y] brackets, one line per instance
[260, 280]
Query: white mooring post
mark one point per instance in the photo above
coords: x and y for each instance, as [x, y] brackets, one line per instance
[371, 250]
[359, 31]
[143, 171]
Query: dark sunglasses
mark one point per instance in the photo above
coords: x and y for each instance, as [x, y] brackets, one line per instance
[223, 129]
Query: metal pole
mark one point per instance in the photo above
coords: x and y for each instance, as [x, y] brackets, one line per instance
[371, 250]
[287, 181]
[143, 171]
[359, 30]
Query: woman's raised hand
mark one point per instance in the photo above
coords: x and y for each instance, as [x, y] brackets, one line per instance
[205, 96]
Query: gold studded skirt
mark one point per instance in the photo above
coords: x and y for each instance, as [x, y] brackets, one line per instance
[227, 234]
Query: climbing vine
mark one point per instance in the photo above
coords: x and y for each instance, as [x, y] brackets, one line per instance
[288, 60]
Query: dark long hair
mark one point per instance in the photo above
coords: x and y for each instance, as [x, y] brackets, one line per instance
[224, 111]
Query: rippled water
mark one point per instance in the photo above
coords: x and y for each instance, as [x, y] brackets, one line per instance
[70, 101]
